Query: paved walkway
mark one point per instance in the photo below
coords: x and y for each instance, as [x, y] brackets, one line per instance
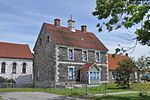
[116, 93]
[34, 96]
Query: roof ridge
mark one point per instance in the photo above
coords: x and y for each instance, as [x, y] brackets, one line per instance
[67, 28]
[12, 43]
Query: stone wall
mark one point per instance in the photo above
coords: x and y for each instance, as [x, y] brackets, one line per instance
[77, 62]
[104, 73]
[44, 58]
[63, 72]
[63, 55]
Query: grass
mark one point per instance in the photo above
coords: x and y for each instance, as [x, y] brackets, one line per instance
[133, 96]
[74, 91]
[81, 91]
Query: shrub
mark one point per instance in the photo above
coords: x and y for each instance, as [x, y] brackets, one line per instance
[5, 80]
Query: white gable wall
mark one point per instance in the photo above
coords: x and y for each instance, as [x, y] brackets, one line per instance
[19, 77]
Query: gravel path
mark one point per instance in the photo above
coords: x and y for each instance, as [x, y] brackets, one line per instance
[34, 96]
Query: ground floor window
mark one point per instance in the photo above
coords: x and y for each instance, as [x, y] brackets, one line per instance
[3, 67]
[70, 72]
[94, 75]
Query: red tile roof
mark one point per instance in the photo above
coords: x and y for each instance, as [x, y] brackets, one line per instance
[114, 60]
[87, 65]
[11, 50]
[63, 36]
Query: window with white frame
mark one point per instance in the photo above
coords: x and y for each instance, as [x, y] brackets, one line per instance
[24, 68]
[95, 75]
[14, 68]
[84, 56]
[70, 54]
[97, 56]
[71, 72]
[3, 67]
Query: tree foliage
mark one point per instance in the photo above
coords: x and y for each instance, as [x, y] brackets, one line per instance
[115, 14]
[123, 72]
[142, 63]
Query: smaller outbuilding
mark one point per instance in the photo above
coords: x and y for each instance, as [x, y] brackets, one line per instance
[16, 62]
[90, 73]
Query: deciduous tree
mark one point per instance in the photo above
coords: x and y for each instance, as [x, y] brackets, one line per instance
[114, 14]
[123, 72]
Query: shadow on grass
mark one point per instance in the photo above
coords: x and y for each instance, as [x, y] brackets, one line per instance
[122, 98]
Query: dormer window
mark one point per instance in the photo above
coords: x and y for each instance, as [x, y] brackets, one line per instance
[70, 54]
[97, 56]
[84, 56]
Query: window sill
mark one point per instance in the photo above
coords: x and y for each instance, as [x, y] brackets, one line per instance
[71, 59]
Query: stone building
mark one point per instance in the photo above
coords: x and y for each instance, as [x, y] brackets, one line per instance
[16, 62]
[60, 52]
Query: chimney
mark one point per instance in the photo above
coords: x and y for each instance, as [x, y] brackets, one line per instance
[71, 24]
[57, 22]
[83, 28]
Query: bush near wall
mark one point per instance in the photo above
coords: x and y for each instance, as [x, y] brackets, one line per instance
[5, 80]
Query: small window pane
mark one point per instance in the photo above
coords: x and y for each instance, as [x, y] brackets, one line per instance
[14, 68]
[91, 75]
[70, 73]
[84, 55]
[24, 68]
[97, 57]
[97, 75]
[70, 54]
[94, 75]
[3, 66]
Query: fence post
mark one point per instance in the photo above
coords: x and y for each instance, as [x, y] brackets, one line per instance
[105, 85]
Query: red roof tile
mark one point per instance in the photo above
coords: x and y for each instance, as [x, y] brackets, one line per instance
[114, 60]
[87, 65]
[63, 36]
[11, 50]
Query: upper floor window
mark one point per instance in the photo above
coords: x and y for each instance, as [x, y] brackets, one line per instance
[40, 41]
[3, 67]
[70, 72]
[84, 56]
[24, 68]
[14, 68]
[97, 57]
[70, 54]
[47, 39]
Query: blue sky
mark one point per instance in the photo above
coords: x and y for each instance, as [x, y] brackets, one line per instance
[21, 21]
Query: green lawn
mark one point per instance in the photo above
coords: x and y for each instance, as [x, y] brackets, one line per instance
[74, 91]
[81, 91]
[124, 97]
